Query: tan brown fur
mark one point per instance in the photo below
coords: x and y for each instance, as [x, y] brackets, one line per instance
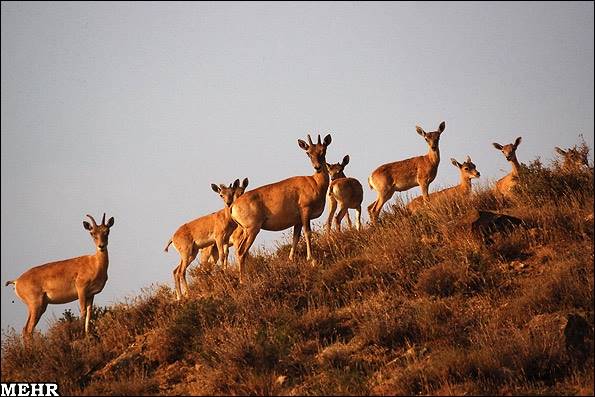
[405, 174]
[573, 159]
[467, 172]
[210, 253]
[346, 192]
[215, 228]
[291, 202]
[67, 280]
[506, 184]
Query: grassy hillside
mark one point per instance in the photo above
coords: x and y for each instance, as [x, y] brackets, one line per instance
[415, 305]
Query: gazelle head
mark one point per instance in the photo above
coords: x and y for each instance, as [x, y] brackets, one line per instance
[509, 150]
[241, 188]
[467, 169]
[99, 233]
[335, 171]
[228, 194]
[316, 151]
[574, 159]
[432, 138]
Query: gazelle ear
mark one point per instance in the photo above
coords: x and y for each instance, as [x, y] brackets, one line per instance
[345, 160]
[455, 163]
[327, 140]
[497, 146]
[517, 142]
[560, 151]
[87, 225]
[110, 222]
[420, 130]
[468, 159]
[245, 183]
[303, 144]
[215, 188]
[441, 127]
[236, 183]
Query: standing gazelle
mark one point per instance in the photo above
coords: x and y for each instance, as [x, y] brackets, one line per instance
[211, 253]
[215, 228]
[505, 185]
[348, 192]
[65, 281]
[291, 202]
[467, 171]
[405, 174]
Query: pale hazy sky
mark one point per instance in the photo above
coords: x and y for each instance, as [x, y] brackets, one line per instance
[136, 108]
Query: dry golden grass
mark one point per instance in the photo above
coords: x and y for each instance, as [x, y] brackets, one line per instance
[414, 305]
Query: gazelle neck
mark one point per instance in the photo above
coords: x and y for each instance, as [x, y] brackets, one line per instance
[227, 211]
[515, 166]
[434, 155]
[338, 176]
[322, 179]
[102, 258]
[465, 184]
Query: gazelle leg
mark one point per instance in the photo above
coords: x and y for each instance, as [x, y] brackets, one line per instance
[340, 216]
[83, 305]
[307, 235]
[36, 309]
[222, 253]
[297, 232]
[424, 189]
[332, 203]
[248, 238]
[89, 313]
[177, 280]
[383, 197]
[358, 219]
[182, 275]
[348, 218]
[371, 211]
[225, 255]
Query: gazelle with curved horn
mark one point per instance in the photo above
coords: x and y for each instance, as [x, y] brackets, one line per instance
[467, 171]
[291, 202]
[505, 185]
[405, 174]
[347, 192]
[215, 228]
[68, 280]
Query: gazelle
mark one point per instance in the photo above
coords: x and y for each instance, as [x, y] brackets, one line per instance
[405, 174]
[505, 185]
[467, 171]
[290, 202]
[211, 253]
[348, 192]
[215, 228]
[574, 159]
[68, 280]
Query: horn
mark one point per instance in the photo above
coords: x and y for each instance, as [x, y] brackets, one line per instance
[92, 220]
[319, 142]
[310, 140]
[103, 220]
